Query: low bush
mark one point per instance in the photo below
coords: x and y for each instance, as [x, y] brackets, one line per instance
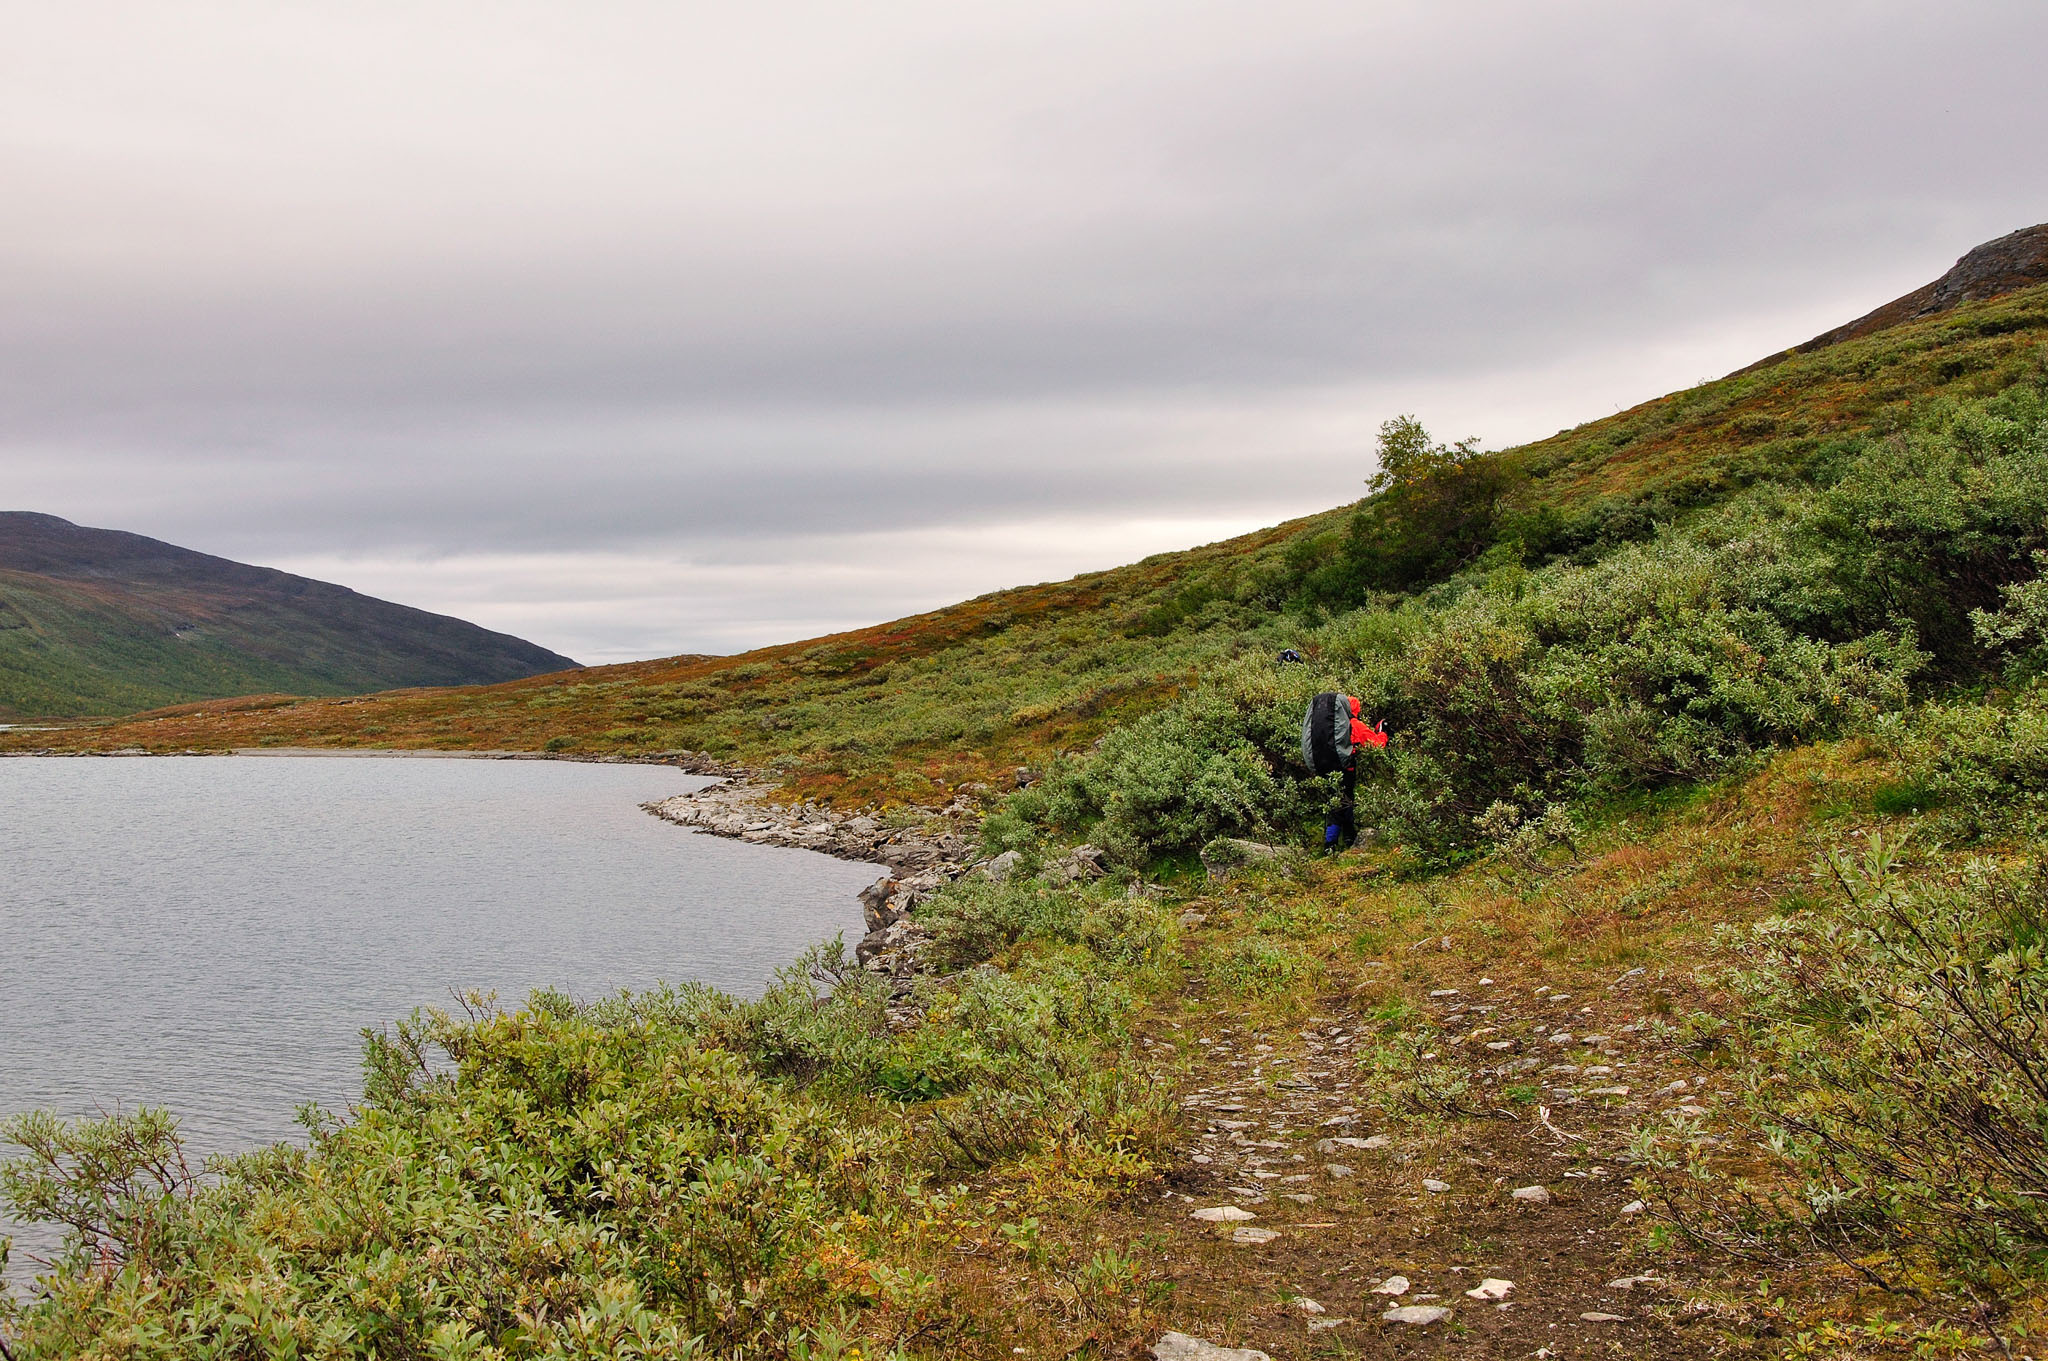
[1784, 615]
[974, 920]
[1260, 965]
[564, 1187]
[1982, 766]
[667, 1174]
[1222, 761]
[1895, 1046]
[2019, 626]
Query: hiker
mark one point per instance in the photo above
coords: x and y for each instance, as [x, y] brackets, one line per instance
[1331, 737]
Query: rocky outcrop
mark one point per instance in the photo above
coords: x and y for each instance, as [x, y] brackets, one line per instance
[1079, 865]
[2015, 261]
[917, 860]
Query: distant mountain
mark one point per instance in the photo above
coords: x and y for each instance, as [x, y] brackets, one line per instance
[973, 691]
[97, 621]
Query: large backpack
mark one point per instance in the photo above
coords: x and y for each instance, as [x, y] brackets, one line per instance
[1333, 732]
[1326, 744]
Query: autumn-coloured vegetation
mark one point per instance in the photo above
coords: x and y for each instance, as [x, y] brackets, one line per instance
[1018, 676]
[1704, 896]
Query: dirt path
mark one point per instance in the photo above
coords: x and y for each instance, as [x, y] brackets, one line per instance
[1282, 1128]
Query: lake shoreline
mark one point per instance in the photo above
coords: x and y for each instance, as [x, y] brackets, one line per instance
[689, 762]
[915, 863]
[214, 938]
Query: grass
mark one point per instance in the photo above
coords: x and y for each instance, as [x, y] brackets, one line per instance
[902, 712]
[1532, 978]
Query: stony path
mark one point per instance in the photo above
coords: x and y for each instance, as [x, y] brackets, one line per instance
[1304, 1224]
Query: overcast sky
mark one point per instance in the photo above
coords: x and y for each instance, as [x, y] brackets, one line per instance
[646, 328]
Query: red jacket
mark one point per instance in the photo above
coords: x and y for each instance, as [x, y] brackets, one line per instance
[1361, 733]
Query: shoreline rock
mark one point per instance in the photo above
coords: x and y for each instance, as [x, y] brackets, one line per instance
[917, 863]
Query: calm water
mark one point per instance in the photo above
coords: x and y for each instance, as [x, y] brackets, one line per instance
[211, 934]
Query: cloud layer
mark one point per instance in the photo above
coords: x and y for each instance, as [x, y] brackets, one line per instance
[640, 328]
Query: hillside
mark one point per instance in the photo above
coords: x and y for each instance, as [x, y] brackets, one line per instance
[1015, 677]
[96, 621]
[1683, 996]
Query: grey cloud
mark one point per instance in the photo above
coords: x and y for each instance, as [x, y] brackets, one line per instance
[468, 278]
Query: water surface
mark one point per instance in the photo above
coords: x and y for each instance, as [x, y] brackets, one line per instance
[211, 934]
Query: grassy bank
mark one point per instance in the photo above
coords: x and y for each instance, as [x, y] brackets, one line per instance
[796, 1177]
[1015, 678]
[1702, 899]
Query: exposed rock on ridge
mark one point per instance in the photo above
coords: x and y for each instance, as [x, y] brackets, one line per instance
[2015, 261]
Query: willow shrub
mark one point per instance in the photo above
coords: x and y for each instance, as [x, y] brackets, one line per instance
[1666, 662]
[1896, 1047]
[566, 1188]
[659, 1174]
[1222, 761]
[1790, 614]
[1981, 765]
[1930, 527]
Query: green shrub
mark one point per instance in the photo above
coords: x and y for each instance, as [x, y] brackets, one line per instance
[1409, 1081]
[1260, 965]
[1009, 1049]
[973, 920]
[1130, 933]
[1983, 766]
[1895, 1047]
[561, 1187]
[1781, 617]
[1929, 527]
[651, 1175]
[1223, 761]
[2020, 625]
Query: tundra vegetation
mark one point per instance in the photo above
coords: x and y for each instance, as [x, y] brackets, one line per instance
[1726, 718]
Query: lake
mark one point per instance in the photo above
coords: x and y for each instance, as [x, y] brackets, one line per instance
[210, 934]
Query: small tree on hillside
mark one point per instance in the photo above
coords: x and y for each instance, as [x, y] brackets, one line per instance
[1409, 460]
[1433, 509]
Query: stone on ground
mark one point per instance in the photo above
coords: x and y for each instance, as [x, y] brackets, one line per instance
[1181, 1347]
[1420, 1315]
[1223, 1214]
[1492, 1288]
[1534, 1195]
[1001, 868]
[1393, 1285]
[1254, 1236]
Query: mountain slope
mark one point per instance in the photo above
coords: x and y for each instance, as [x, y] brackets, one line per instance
[2012, 262]
[1014, 677]
[1580, 1048]
[96, 621]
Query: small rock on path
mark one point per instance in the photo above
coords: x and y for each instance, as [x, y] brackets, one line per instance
[1181, 1347]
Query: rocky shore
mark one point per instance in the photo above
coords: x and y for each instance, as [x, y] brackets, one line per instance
[916, 860]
